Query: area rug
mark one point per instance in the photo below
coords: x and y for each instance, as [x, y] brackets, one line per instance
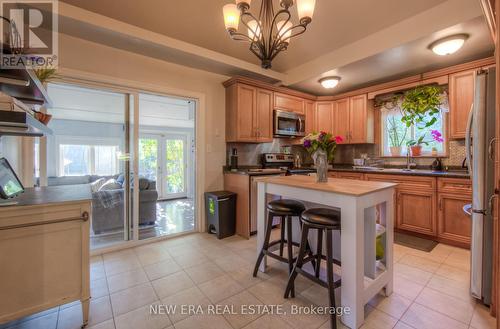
[414, 242]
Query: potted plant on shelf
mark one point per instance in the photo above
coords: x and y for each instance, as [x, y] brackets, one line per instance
[395, 139]
[416, 144]
[322, 147]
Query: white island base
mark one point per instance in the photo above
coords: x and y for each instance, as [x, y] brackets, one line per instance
[360, 204]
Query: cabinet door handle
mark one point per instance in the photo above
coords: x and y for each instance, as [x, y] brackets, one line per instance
[84, 218]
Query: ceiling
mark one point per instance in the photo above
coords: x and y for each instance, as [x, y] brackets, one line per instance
[363, 41]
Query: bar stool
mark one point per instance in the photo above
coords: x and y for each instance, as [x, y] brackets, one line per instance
[285, 209]
[323, 220]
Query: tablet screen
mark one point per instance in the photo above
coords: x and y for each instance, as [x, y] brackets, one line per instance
[10, 185]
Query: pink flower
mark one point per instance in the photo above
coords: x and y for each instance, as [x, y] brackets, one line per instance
[338, 139]
[436, 135]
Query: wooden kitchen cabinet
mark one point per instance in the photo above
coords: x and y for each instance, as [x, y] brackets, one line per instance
[453, 224]
[350, 175]
[341, 119]
[461, 97]
[354, 120]
[416, 211]
[289, 103]
[249, 114]
[324, 116]
[310, 112]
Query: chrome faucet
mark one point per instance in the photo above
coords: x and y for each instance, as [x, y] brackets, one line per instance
[409, 164]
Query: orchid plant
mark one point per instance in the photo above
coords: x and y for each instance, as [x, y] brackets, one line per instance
[322, 141]
[436, 137]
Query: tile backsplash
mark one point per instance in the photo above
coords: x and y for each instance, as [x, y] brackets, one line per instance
[249, 154]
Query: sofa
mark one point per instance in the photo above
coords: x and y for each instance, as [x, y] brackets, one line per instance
[108, 205]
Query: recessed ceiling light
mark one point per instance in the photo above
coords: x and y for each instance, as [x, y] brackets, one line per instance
[448, 45]
[329, 82]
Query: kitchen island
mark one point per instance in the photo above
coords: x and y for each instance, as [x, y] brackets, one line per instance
[362, 204]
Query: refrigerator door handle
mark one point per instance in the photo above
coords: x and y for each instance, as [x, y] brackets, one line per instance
[468, 140]
[491, 148]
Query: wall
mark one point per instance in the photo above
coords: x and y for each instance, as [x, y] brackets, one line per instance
[93, 58]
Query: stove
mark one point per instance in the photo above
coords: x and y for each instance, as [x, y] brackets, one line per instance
[284, 162]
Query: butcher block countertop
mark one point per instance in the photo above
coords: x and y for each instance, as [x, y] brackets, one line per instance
[334, 185]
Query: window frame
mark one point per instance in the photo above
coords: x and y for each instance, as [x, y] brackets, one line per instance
[87, 141]
[444, 132]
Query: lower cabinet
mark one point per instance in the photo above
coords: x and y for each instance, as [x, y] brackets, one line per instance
[416, 211]
[350, 175]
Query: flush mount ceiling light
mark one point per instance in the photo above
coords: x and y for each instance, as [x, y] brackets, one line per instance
[448, 45]
[329, 82]
[269, 33]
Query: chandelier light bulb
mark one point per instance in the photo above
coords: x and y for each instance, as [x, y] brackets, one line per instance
[285, 30]
[254, 30]
[231, 16]
[448, 45]
[305, 8]
[329, 82]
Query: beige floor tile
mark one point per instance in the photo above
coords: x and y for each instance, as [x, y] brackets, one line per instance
[129, 299]
[420, 263]
[412, 273]
[142, 318]
[460, 259]
[220, 288]
[244, 276]
[110, 324]
[97, 271]
[448, 305]
[151, 254]
[233, 262]
[203, 322]
[172, 284]
[181, 302]
[318, 294]
[453, 273]
[48, 321]
[438, 254]
[161, 269]
[204, 272]
[402, 325]
[298, 314]
[119, 255]
[71, 317]
[395, 305]
[459, 289]
[185, 249]
[126, 280]
[240, 303]
[375, 319]
[406, 288]
[120, 265]
[99, 288]
[269, 292]
[190, 259]
[268, 322]
[249, 254]
[482, 318]
[419, 316]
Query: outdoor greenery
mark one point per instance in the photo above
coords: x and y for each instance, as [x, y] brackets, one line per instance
[175, 165]
[148, 157]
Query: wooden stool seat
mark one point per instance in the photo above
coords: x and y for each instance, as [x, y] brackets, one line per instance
[286, 207]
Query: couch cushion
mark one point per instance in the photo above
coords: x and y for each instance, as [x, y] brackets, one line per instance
[97, 184]
[143, 184]
[67, 180]
[111, 184]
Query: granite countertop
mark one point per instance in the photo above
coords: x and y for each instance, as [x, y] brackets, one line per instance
[52, 194]
[254, 171]
[452, 173]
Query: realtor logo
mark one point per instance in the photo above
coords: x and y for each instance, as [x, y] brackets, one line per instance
[29, 34]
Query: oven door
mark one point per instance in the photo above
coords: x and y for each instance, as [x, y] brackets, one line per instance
[289, 124]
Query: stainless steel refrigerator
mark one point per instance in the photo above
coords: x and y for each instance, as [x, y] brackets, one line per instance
[479, 141]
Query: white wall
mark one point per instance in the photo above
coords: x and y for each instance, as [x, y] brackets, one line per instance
[84, 56]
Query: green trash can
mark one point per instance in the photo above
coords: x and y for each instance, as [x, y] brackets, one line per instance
[220, 210]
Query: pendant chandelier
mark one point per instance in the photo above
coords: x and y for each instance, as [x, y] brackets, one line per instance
[270, 33]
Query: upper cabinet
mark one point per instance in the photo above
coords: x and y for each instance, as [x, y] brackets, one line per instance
[354, 120]
[311, 119]
[324, 116]
[461, 96]
[289, 103]
[248, 114]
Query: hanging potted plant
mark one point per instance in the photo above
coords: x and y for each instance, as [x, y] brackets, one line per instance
[395, 139]
[421, 105]
[322, 147]
[415, 145]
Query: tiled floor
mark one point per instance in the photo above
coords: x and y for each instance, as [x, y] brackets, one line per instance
[430, 291]
[173, 216]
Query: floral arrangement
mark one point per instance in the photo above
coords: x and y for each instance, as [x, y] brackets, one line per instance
[322, 141]
[436, 137]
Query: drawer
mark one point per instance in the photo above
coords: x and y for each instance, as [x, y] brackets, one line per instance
[350, 175]
[288, 103]
[454, 185]
[405, 182]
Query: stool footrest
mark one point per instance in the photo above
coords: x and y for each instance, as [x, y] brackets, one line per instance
[310, 276]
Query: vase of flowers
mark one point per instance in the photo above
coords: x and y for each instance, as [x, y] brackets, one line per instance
[416, 144]
[322, 147]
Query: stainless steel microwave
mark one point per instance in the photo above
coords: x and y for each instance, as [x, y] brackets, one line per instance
[289, 124]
